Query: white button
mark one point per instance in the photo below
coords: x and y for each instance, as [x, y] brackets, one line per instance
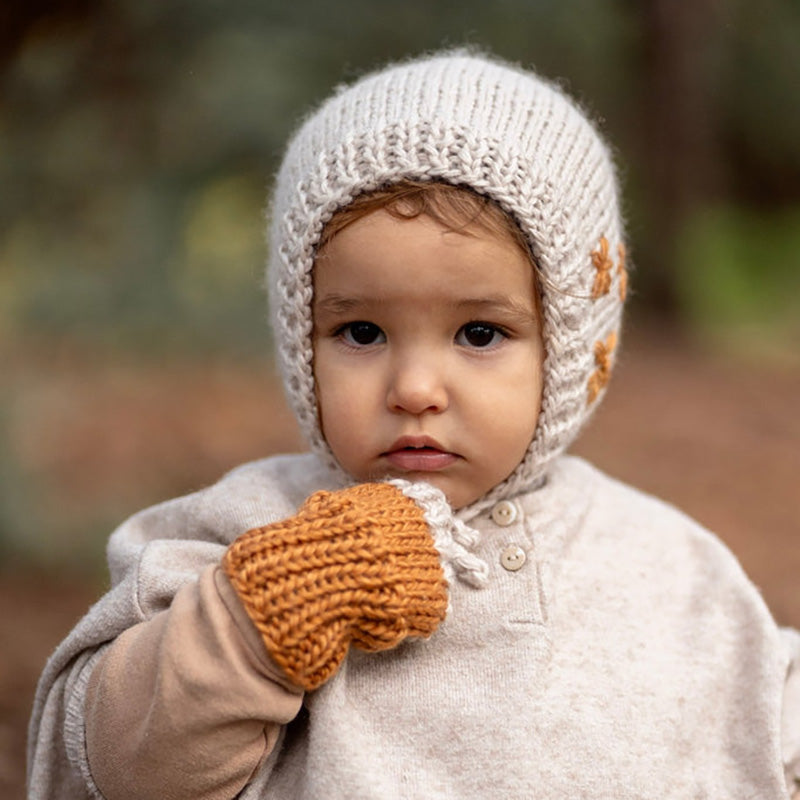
[512, 558]
[504, 513]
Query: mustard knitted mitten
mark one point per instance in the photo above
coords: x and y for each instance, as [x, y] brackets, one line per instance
[354, 566]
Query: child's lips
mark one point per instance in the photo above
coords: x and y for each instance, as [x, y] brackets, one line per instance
[419, 454]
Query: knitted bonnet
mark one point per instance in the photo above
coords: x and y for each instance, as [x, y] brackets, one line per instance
[469, 120]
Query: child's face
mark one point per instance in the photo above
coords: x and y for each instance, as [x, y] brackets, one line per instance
[427, 353]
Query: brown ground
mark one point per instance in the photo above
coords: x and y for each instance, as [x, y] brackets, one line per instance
[718, 438]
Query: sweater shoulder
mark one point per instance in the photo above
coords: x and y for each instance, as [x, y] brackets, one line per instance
[636, 556]
[612, 499]
[645, 531]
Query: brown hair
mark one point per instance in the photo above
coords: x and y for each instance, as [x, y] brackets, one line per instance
[457, 208]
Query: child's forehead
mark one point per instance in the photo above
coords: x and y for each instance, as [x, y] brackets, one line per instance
[457, 208]
[465, 265]
[381, 260]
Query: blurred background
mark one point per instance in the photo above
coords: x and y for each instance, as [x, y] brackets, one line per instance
[137, 143]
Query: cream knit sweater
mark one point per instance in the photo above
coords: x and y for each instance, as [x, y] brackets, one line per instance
[627, 657]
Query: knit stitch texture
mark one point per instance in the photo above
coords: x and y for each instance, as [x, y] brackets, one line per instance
[355, 566]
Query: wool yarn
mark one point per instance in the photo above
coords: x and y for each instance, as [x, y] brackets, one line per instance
[356, 566]
[506, 133]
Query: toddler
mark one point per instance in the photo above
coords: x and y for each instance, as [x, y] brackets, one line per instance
[436, 602]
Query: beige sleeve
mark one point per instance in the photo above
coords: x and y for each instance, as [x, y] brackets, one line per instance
[187, 704]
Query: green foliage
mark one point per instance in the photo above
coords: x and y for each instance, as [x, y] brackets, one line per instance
[739, 274]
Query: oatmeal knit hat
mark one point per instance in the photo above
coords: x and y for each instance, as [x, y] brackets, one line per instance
[504, 132]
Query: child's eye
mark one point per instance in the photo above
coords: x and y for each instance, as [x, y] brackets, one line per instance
[360, 334]
[479, 334]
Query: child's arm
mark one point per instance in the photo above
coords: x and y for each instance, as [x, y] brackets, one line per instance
[189, 703]
[151, 557]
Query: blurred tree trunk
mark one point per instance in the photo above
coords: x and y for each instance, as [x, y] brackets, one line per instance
[680, 67]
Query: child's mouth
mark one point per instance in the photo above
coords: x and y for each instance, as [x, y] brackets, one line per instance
[418, 455]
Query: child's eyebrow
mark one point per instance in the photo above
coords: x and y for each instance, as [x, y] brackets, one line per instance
[339, 303]
[499, 304]
[505, 305]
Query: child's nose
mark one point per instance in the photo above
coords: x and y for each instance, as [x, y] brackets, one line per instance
[417, 387]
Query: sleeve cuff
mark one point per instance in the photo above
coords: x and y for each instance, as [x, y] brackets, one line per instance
[453, 539]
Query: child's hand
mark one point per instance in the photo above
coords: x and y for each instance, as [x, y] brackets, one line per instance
[358, 565]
